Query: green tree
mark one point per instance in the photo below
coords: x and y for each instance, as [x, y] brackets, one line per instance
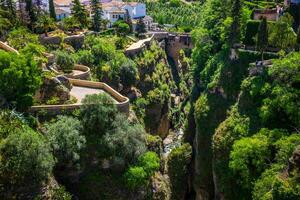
[20, 77]
[52, 10]
[85, 57]
[97, 113]
[45, 23]
[248, 158]
[178, 162]
[150, 162]
[282, 34]
[65, 61]
[25, 157]
[135, 177]
[79, 13]
[70, 24]
[140, 26]
[5, 24]
[128, 73]
[234, 35]
[65, 139]
[97, 12]
[20, 37]
[121, 27]
[262, 37]
[124, 140]
[31, 13]
[36, 52]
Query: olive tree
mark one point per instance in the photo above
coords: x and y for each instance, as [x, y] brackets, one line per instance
[65, 139]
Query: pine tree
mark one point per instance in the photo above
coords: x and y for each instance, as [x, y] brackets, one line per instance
[234, 35]
[97, 12]
[79, 13]
[262, 37]
[52, 9]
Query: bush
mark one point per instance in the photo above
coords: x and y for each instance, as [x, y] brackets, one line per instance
[128, 73]
[251, 31]
[150, 162]
[65, 61]
[178, 162]
[20, 37]
[98, 113]
[135, 177]
[85, 57]
[121, 27]
[126, 141]
[25, 159]
[65, 139]
[20, 77]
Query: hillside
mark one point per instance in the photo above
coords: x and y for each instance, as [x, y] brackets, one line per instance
[162, 100]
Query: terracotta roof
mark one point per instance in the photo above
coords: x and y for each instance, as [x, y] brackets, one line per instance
[118, 4]
[59, 11]
[63, 2]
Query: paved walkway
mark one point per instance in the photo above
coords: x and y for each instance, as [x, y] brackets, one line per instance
[138, 44]
[80, 92]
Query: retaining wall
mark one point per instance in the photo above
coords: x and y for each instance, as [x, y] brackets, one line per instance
[85, 75]
[122, 101]
[6, 47]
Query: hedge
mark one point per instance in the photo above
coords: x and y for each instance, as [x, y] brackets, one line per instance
[251, 31]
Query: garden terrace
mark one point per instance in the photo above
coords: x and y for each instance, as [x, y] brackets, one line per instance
[82, 88]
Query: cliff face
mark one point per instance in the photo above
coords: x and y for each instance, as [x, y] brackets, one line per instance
[219, 86]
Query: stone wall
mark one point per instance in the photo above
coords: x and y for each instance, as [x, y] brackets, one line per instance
[122, 102]
[269, 14]
[84, 75]
[6, 47]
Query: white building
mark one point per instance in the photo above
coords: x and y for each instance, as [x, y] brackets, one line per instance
[113, 10]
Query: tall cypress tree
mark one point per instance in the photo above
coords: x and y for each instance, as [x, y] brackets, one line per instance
[234, 35]
[79, 13]
[31, 12]
[97, 12]
[52, 9]
[262, 37]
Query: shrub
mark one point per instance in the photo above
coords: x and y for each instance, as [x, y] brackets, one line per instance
[65, 139]
[126, 141]
[98, 113]
[178, 162]
[135, 177]
[85, 57]
[25, 159]
[60, 193]
[20, 77]
[20, 37]
[65, 61]
[150, 162]
[128, 73]
[251, 31]
[121, 27]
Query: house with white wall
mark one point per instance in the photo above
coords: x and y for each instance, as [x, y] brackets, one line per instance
[115, 10]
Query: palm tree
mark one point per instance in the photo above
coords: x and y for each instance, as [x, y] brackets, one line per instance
[45, 23]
